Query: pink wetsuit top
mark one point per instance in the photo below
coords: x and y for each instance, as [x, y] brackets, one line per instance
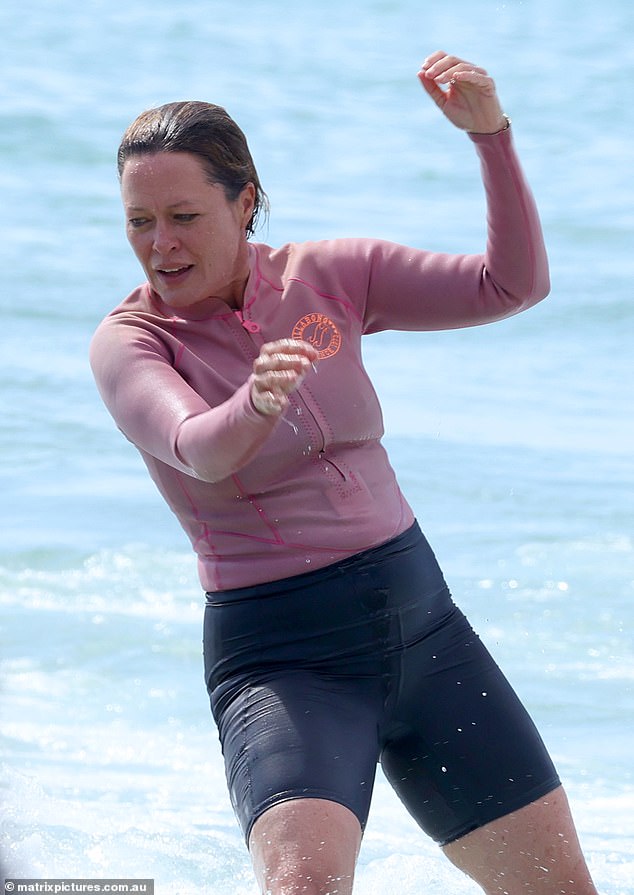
[264, 498]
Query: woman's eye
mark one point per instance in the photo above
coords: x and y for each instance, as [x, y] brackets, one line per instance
[135, 223]
[185, 218]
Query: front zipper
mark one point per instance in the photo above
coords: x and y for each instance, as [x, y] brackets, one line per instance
[322, 450]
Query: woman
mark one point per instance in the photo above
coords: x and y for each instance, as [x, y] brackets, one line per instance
[331, 639]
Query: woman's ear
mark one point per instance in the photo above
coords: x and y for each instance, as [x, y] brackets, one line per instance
[246, 201]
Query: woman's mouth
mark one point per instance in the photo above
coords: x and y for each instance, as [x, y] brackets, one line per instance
[174, 273]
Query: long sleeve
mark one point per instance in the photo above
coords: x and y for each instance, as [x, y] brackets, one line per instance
[414, 289]
[236, 431]
[159, 411]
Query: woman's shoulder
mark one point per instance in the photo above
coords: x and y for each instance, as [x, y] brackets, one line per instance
[139, 301]
[133, 321]
[338, 253]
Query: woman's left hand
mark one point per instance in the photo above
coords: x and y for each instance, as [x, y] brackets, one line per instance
[465, 93]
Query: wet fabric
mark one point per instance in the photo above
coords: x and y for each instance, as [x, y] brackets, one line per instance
[259, 495]
[316, 678]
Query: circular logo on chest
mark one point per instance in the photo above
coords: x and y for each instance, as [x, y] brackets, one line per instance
[320, 331]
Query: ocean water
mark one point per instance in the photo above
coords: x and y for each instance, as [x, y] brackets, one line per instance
[513, 442]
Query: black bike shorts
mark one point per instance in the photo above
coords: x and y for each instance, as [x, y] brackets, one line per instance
[316, 678]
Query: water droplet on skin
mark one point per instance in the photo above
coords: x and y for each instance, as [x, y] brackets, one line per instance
[292, 425]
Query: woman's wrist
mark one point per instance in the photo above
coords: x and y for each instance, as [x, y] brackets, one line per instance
[506, 123]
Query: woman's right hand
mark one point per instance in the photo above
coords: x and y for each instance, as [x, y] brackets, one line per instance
[279, 370]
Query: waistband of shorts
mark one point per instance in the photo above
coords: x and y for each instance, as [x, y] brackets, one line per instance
[402, 541]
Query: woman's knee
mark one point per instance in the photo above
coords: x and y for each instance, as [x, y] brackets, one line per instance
[305, 845]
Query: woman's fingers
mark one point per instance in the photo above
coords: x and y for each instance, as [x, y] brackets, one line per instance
[283, 354]
[463, 91]
[443, 67]
[278, 371]
[270, 388]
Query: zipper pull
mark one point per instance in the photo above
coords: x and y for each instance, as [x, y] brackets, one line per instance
[250, 325]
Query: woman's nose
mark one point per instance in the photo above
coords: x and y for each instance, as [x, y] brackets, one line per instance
[165, 239]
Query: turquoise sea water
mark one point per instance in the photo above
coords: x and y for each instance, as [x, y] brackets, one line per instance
[513, 442]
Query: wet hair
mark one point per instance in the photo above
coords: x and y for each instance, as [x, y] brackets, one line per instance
[206, 131]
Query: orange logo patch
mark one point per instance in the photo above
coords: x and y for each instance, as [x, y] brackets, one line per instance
[321, 332]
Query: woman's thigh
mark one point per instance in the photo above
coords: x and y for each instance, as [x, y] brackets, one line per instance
[461, 750]
[532, 851]
[295, 735]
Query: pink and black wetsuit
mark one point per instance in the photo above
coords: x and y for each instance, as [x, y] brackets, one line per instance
[316, 675]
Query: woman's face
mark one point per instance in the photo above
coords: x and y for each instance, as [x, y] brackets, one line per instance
[189, 238]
